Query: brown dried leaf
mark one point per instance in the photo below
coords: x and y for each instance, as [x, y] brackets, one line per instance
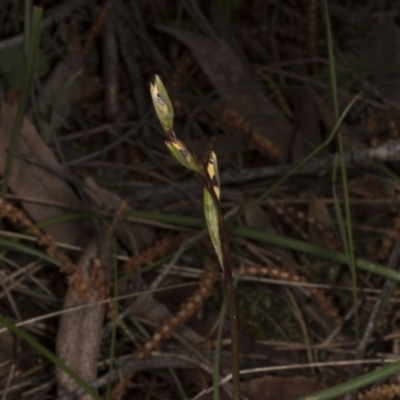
[80, 331]
[281, 388]
[238, 89]
[45, 183]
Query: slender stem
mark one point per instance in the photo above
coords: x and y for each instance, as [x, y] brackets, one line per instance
[234, 338]
[226, 267]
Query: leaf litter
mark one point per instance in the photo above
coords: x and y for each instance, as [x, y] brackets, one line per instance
[258, 94]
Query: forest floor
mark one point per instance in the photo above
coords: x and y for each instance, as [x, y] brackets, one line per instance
[106, 265]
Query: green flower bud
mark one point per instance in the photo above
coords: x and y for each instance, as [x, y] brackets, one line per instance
[183, 155]
[162, 105]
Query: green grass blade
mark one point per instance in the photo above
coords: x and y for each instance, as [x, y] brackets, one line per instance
[23, 249]
[285, 242]
[356, 383]
[180, 388]
[338, 211]
[65, 218]
[348, 238]
[314, 250]
[34, 40]
[178, 220]
[28, 24]
[48, 354]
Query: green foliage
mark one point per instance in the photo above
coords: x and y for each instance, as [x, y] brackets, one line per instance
[13, 66]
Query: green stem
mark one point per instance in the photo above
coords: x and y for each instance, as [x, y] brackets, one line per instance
[230, 291]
